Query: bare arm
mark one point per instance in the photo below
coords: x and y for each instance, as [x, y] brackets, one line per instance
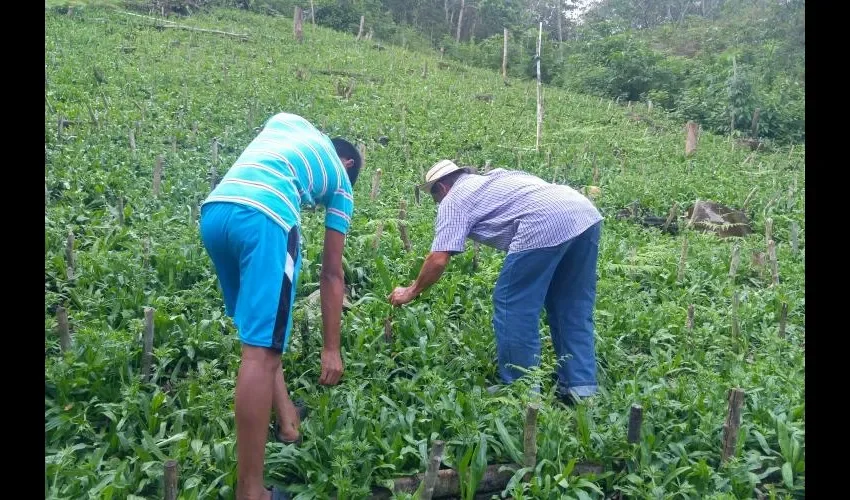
[432, 269]
[331, 290]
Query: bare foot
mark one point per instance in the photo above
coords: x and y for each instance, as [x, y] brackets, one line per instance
[289, 423]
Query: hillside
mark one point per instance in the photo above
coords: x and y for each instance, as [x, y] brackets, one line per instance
[107, 433]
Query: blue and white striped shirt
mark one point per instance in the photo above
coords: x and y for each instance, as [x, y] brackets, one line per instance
[512, 211]
[289, 164]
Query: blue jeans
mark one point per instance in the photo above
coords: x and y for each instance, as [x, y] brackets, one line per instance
[563, 279]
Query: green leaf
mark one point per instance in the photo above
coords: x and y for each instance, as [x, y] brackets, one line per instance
[788, 475]
[508, 441]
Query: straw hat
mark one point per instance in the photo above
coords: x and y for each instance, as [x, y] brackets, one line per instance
[440, 169]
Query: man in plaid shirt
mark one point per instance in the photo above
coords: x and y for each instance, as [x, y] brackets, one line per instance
[551, 235]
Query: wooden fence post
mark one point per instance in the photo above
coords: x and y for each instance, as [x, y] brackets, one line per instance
[170, 480]
[147, 350]
[297, 24]
[635, 422]
[64, 329]
[70, 260]
[402, 225]
[430, 479]
[691, 141]
[733, 423]
[530, 438]
[376, 184]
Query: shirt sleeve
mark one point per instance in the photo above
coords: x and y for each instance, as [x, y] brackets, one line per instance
[340, 207]
[451, 229]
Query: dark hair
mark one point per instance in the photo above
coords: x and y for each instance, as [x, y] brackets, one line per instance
[448, 180]
[345, 149]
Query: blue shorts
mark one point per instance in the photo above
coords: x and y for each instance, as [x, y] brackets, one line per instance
[257, 264]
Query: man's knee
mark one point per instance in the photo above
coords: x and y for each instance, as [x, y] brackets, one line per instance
[263, 358]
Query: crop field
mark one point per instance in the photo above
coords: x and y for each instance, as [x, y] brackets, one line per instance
[126, 101]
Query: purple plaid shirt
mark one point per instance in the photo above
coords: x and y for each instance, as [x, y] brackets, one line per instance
[512, 211]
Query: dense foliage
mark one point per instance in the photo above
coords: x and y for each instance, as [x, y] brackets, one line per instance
[107, 433]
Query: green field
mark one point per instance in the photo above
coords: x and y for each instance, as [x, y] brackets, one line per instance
[108, 433]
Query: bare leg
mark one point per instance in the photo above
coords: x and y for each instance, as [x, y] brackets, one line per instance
[254, 388]
[287, 415]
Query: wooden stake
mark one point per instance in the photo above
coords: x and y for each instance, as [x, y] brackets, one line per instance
[157, 175]
[362, 149]
[683, 259]
[388, 329]
[476, 248]
[173, 144]
[690, 324]
[147, 349]
[733, 423]
[360, 32]
[195, 132]
[487, 166]
[649, 106]
[376, 184]
[312, 13]
[214, 166]
[425, 70]
[674, 210]
[736, 261]
[433, 467]
[691, 141]
[736, 327]
[754, 132]
[635, 421]
[60, 127]
[783, 318]
[402, 225]
[505, 55]
[530, 438]
[297, 20]
[170, 480]
[768, 229]
[539, 89]
[63, 328]
[404, 133]
[774, 265]
[133, 142]
[795, 229]
[416, 196]
[70, 261]
[120, 210]
[378, 232]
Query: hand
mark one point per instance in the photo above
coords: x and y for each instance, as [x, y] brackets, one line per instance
[402, 295]
[331, 367]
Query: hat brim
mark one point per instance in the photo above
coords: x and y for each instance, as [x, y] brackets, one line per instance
[426, 186]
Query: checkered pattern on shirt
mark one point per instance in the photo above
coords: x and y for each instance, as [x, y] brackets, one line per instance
[512, 211]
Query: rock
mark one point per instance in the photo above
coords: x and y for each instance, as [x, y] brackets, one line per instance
[717, 218]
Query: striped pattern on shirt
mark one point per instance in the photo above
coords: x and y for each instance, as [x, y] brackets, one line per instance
[512, 211]
[289, 164]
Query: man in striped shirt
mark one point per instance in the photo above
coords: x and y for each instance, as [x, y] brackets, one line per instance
[250, 229]
[551, 235]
